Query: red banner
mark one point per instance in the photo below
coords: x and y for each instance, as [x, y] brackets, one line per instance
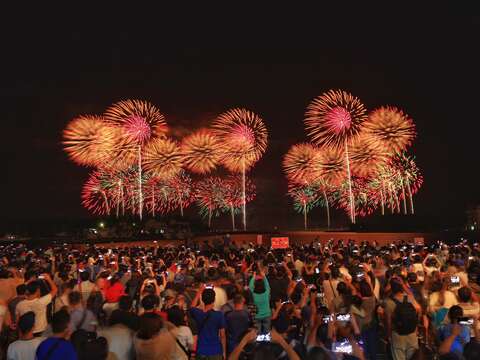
[280, 242]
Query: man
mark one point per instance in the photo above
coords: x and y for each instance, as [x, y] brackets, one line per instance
[238, 322]
[58, 347]
[12, 305]
[81, 318]
[210, 326]
[401, 319]
[85, 287]
[38, 304]
[26, 347]
[119, 335]
[468, 301]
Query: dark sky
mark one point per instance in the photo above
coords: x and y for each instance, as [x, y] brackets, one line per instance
[194, 66]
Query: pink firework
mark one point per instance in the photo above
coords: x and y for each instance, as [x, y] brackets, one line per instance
[338, 120]
[137, 129]
[95, 193]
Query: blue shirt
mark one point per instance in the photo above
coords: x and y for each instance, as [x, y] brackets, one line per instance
[460, 340]
[64, 349]
[238, 322]
[208, 338]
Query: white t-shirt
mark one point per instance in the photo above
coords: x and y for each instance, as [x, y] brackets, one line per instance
[87, 287]
[220, 298]
[24, 349]
[39, 307]
[450, 300]
[120, 341]
[185, 336]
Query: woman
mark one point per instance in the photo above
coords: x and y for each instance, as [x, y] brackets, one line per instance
[260, 289]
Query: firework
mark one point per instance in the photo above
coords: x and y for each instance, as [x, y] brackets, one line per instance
[331, 165]
[201, 152]
[364, 203]
[243, 138]
[233, 194]
[162, 158]
[182, 191]
[95, 193]
[140, 120]
[301, 163]
[332, 120]
[334, 117]
[409, 177]
[305, 198]
[84, 139]
[365, 156]
[210, 195]
[390, 128]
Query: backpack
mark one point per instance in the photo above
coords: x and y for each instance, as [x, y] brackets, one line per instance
[404, 317]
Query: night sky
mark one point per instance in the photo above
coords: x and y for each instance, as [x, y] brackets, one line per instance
[193, 67]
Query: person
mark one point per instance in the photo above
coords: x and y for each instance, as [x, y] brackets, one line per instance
[26, 347]
[263, 350]
[468, 301]
[401, 319]
[237, 321]
[89, 346]
[81, 317]
[454, 335]
[21, 291]
[153, 341]
[183, 334]
[62, 300]
[38, 304]
[211, 343]
[260, 289]
[85, 286]
[58, 347]
[119, 335]
[125, 308]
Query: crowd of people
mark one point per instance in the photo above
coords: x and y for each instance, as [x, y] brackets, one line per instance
[333, 300]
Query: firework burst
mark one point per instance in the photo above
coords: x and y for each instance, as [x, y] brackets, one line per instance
[140, 120]
[162, 158]
[84, 140]
[305, 198]
[210, 195]
[331, 165]
[233, 194]
[301, 163]
[243, 137]
[201, 152]
[95, 193]
[334, 117]
[390, 128]
[181, 189]
[365, 156]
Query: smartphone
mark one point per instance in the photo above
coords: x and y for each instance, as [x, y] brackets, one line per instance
[454, 280]
[320, 295]
[465, 321]
[317, 271]
[327, 319]
[343, 347]
[360, 275]
[343, 317]
[299, 280]
[264, 337]
[41, 277]
[209, 286]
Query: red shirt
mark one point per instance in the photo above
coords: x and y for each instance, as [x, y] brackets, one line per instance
[114, 292]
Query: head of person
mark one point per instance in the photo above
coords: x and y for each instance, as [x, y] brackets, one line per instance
[176, 316]
[318, 353]
[454, 313]
[365, 289]
[33, 289]
[464, 294]
[150, 302]
[26, 322]
[208, 296]
[125, 303]
[84, 275]
[60, 324]
[96, 348]
[396, 286]
[74, 298]
[259, 286]
[21, 289]
[238, 300]
[150, 326]
[412, 278]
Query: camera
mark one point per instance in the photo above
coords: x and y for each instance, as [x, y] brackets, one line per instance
[465, 321]
[264, 337]
[343, 317]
